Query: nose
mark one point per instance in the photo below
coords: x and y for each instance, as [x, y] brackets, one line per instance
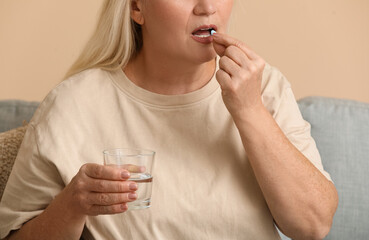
[204, 7]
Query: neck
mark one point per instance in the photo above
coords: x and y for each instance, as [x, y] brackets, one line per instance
[167, 76]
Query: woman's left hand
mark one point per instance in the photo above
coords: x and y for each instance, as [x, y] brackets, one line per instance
[239, 75]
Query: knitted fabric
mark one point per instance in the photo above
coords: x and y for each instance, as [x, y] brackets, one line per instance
[10, 142]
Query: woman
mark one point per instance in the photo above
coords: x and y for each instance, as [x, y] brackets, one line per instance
[234, 155]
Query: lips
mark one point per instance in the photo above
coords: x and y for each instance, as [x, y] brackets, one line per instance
[202, 34]
[204, 30]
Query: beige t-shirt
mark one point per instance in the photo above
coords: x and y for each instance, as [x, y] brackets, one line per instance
[204, 186]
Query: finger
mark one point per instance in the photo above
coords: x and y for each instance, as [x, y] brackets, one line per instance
[223, 78]
[226, 41]
[134, 168]
[112, 209]
[237, 55]
[219, 48]
[106, 199]
[229, 66]
[105, 172]
[106, 186]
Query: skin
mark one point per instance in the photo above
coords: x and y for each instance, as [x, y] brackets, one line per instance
[167, 28]
[301, 200]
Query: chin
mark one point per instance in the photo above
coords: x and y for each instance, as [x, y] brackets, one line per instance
[204, 56]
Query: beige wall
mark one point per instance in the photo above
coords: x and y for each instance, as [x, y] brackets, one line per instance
[321, 46]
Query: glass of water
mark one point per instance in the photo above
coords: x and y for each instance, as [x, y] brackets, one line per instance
[139, 163]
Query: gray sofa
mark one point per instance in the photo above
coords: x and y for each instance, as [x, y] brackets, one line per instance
[14, 112]
[341, 130]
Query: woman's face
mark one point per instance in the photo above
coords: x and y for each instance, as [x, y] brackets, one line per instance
[180, 29]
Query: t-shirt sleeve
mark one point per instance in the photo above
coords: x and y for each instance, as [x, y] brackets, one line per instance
[281, 103]
[297, 130]
[32, 185]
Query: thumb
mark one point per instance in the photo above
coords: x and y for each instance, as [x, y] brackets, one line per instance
[219, 48]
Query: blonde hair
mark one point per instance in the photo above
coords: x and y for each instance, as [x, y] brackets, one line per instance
[116, 40]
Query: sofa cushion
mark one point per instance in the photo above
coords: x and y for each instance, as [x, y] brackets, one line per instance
[341, 131]
[14, 112]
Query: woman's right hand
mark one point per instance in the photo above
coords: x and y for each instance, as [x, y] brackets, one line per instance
[99, 189]
[94, 190]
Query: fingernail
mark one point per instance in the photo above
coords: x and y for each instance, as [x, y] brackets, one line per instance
[123, 207]
[133, 186]
[125, 174]
[132, 196]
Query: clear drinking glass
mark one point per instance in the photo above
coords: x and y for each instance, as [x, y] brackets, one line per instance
[139, 163]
